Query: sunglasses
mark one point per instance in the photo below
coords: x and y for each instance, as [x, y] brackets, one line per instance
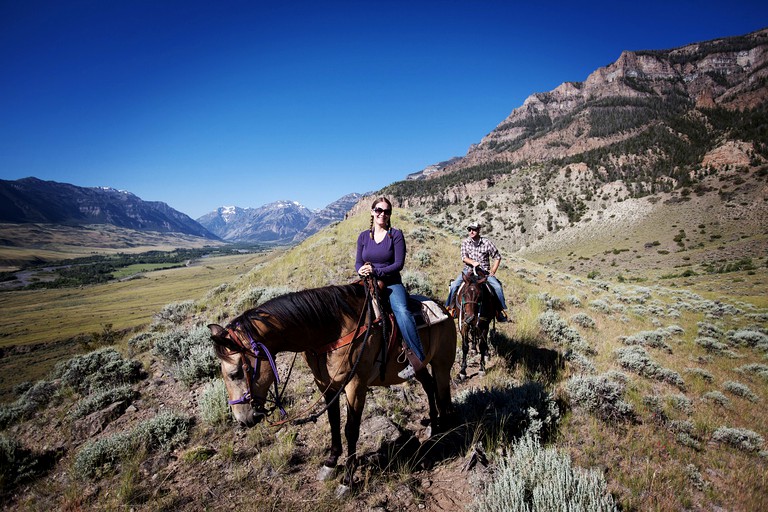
[379, 211]
[473, 229]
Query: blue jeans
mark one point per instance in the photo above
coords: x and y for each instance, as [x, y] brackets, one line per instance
[398, 301]
[492, 281]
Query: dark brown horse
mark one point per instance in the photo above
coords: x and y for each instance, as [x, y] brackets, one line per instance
[333, 328]
[477, 306]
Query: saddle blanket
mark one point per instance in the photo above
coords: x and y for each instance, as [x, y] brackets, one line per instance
[425, 311]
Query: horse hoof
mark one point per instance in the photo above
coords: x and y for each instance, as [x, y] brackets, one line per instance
[481, 373]
[325, 473]
[342, 491]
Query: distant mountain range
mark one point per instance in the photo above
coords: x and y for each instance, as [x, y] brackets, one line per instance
[31, 200]
[280, 221]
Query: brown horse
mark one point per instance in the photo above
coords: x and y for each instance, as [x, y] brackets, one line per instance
[333, 327]
[477, 306]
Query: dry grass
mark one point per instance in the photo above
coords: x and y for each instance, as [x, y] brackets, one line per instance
[665, 460]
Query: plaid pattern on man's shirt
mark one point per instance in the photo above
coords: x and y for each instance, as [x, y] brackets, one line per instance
[483, 252]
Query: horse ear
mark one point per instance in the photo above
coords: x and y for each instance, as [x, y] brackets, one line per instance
[220, 337]
[217, 331]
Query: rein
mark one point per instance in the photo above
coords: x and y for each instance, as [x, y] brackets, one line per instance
[256, 349]
[367, 308]
[259, 350]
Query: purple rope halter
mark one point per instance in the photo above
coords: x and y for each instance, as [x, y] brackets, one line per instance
[257, 348]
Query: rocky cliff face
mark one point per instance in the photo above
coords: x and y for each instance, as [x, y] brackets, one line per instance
[730, 73]
[648, 138]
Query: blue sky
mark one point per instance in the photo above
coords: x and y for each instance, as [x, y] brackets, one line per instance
[206, 104]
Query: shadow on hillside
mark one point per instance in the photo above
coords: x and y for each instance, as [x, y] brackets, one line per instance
[493, 416]
[537, 363]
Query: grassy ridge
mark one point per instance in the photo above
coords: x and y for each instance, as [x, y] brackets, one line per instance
[661, 390]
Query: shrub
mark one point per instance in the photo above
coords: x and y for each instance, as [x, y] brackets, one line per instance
[739, 389]
[102, 399]
[40, 394]
[717, 397]
[417, 283]
[573, 301]
[601, 396]
[506, 411]
[140, 343]
[583, 320]
[540, 479]
[700, 372]
[175, 312]
[684, 433]
[740, 438]
[213, 405]
[551, 302]
[681, 402]
[601, 306]
[165, 431]
[749, 338]
[760, 370]
[258, 295]
[654, 339]
[423, 258]
[16, 463]
[101, 368]
[709, 330]
[637, 360]
[190, 352]
[711, 345]
[560, 333]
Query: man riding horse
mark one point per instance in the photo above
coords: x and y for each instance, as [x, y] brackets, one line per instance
[478, 251]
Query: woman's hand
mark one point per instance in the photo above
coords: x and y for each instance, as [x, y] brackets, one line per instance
[365, 270]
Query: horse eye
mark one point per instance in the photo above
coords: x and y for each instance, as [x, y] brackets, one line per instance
[236, 374]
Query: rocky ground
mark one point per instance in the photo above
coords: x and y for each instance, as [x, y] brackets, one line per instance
[227, 467]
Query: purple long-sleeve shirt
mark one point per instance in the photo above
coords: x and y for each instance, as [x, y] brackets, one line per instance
[387, 257]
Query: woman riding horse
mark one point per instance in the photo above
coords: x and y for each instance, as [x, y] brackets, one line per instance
[381, 253]
[332, 326]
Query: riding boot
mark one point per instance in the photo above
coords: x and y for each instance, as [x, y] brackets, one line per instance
[414, 365]
[413, 360]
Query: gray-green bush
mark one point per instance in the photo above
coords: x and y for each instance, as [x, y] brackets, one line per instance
[536, 479]
[600, 395]
[190, 352]
[35, 397]
[740, 438]
[101, 399]
[165, 431]
[635, 359]
[739, 389]
[583, 320]
[175, 312]
[213, 406]
[99, 369]
[562, 334]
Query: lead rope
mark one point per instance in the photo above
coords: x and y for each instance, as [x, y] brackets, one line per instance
[384, 337]
[366, 309]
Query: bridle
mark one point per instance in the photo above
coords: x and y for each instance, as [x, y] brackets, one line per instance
[478, 281]
[258, 350]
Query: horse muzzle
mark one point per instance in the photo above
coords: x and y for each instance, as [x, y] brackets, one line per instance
[249, 416]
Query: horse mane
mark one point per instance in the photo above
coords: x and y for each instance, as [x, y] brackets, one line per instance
[320, 309]
[223, 352]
